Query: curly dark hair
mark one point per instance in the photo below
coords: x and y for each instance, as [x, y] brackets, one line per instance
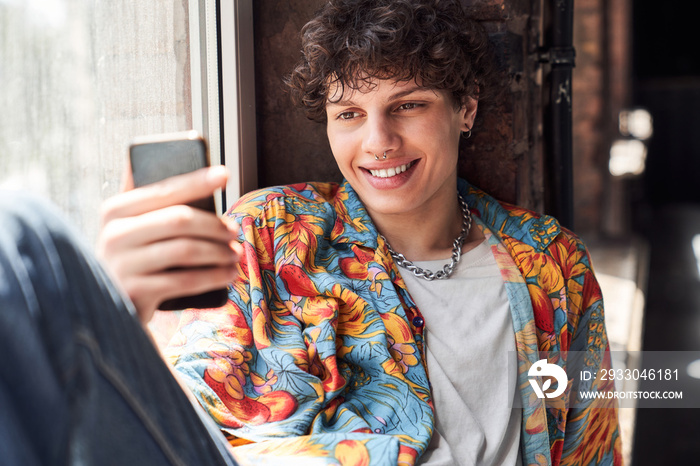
[350, 43]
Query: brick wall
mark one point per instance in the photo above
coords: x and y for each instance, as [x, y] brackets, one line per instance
[601, 88]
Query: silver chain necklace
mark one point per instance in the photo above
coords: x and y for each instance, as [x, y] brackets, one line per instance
[447, 270]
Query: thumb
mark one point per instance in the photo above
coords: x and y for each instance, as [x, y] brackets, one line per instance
[127, 183]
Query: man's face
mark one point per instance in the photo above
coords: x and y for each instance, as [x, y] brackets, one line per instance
[417, 128]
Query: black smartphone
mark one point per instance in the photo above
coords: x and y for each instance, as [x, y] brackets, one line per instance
[157, 157]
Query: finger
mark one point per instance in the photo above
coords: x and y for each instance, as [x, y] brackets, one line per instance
[181, 189]
[149, 291]
[176, 253]
[195, 281]
[163, 224]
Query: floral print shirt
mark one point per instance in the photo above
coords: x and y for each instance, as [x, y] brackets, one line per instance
[318, 356]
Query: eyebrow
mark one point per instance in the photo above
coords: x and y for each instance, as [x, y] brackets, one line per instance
[392, 97]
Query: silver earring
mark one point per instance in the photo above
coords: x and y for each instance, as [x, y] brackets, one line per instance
[376, 157]
[467, 134]
[384, 156]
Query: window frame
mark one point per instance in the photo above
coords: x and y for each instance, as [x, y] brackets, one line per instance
[223, 89]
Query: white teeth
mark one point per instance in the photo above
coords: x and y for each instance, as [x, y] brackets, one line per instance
[387, 173]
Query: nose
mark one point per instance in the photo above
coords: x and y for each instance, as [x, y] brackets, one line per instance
[380, 135]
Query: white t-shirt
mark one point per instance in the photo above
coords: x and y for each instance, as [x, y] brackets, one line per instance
[470, 349]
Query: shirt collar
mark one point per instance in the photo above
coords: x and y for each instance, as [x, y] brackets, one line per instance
[511, 221]
[356, 226]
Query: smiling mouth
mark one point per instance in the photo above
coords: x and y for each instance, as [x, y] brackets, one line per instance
[389, 172]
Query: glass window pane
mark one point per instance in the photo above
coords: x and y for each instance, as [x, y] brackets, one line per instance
[80, 79]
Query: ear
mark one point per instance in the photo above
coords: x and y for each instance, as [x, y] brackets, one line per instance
[468, 112]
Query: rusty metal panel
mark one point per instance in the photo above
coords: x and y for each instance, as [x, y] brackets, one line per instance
[505, 158]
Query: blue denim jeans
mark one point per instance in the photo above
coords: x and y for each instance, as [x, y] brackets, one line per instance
[80, 380]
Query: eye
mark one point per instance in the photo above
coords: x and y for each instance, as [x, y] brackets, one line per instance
[408, 106]
[348, 115]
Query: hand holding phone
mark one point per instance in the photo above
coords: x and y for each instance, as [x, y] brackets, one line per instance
[155, 158]
[157, 247]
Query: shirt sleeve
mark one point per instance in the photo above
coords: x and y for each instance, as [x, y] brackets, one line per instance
[591, 431]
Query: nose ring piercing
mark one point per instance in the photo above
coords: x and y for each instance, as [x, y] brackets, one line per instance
[376, 157]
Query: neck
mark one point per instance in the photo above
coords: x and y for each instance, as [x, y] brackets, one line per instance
[426, 233]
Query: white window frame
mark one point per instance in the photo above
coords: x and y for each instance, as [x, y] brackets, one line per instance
[223, 88]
